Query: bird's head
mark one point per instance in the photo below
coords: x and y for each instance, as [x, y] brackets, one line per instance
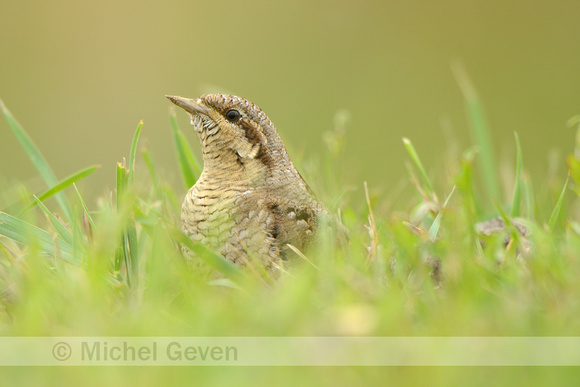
[231, 125]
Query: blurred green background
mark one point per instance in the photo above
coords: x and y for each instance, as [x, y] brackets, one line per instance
[80, 75]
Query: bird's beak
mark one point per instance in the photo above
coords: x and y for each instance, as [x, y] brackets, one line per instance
[191, 106]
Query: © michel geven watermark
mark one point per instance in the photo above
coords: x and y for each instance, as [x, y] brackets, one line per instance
[129, 351]
[289, 351]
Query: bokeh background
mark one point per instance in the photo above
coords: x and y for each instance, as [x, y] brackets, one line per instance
[80, 75]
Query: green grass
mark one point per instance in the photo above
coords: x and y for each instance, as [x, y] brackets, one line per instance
[117, 269]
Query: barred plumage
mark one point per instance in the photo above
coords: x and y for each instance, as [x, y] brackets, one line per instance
[250, 201]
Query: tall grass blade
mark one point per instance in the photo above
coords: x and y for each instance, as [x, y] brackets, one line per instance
[528, 197]
[464, 183]
[214, 260]
[63, 185]
[134, 151]
[558, 207]
[415, 157]
[37, 159]
[121, 187]
[85, 208]
[436, 225]
[128, 250]
[502, 214]
[148, 158]
[516, 200]
[62, 231]
[480, 131]
[573, 165]
[130, 247]
[190, 169]
[78, 239]
[23, 232]
[575, 121]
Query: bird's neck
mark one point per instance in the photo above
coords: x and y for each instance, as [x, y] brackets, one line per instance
[227, 166]
[270, 168]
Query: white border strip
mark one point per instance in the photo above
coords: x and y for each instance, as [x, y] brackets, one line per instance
[290, 351]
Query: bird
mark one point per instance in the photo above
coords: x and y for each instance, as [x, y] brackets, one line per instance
[250, 202]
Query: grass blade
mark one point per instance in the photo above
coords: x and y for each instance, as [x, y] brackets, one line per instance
[465, 186]
[516, 200]
[434, 229]
[85, 208]
[37, 159]
[415, 157]
[78, 239]
[62, 231]
[480, 131]
[558, 207]
[148, 158]
[575, 121]
[188, 164]
[62, 185]
[211, 258]
[190, 155]
[528, 196]
[128, 249]
[23, 232]
[131, 253]
[134, 151]
[68, 182]
[502, 214]
[121, 177]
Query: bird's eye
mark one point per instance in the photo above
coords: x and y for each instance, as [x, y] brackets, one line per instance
[233, 115]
